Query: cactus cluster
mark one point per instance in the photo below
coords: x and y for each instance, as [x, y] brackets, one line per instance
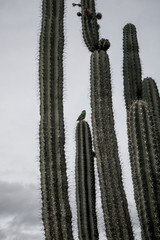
[143, 106]
[143, 118]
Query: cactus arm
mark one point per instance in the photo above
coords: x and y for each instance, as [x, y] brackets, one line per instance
[151, 95]
[85, 183]
[131, 65]
[56, 212]
[144, 155]
[114, 203]
[89, 24]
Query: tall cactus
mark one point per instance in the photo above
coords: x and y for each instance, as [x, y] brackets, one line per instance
[143, 131]
[56, 212]
[145, 155]
[143, 128]
[85, 183]
[114, 203]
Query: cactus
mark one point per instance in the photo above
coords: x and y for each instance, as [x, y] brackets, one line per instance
[131, 65]
[151, 95]
[89, 24]
[144, 137]
[85, 183]
[143, 129]
[114, 203]
[56, 212]
[144, 156]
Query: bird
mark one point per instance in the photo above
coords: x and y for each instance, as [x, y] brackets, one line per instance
[82, 116]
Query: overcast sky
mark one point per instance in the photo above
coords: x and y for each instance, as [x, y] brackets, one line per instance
[20, 204]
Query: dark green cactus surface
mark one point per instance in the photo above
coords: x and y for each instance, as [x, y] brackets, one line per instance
[89, 24]
[131, 65]
[114, 203]
[144, 136]
[144, 156]
[151, 95]
[56, 212]
[85, 184]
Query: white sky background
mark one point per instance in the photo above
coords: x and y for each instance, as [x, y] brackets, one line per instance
[19, 100]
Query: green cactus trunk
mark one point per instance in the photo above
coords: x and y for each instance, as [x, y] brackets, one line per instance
[85, 184]
[151, 95]
[131, 65]
[89, 24]
[114, 203]
[56, 212]
[144, 156]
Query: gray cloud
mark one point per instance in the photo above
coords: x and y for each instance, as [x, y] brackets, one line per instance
[20, 212]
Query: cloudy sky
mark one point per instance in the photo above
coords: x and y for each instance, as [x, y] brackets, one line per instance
[20, 204]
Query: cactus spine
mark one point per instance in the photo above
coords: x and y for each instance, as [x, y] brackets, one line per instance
[56, 212]
[85, 183]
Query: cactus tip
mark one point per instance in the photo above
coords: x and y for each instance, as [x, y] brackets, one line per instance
[104, 44]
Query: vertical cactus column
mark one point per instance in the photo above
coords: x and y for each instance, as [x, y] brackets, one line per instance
[131, 65]
[89, 24]
[56, 212]
[143, 122]
[151, 95]
[114, 203]
[85, 184]
[144, 156]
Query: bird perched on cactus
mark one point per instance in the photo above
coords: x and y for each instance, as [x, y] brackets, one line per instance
[82, 116]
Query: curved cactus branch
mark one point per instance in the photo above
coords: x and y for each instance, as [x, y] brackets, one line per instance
[85, 183]
[56, 212]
